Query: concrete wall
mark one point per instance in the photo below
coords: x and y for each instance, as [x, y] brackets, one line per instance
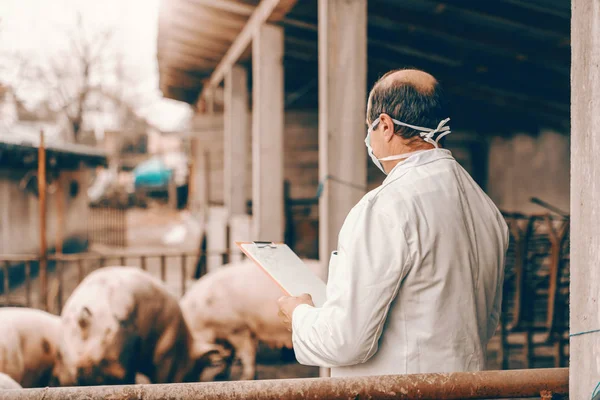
[524, 166]
[19, 212]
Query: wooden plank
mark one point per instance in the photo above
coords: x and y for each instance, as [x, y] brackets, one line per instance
[267, 133]
[225, 36]
[236, 138]
[427, 15]
[585, 199]
[467, 49]
[265, 10]
[207, 15]
[517, 13]
[192, 50]
[229, 6]
[185, 37]
[186, 61]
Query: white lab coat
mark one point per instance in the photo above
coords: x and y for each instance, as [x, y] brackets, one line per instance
[415, 285]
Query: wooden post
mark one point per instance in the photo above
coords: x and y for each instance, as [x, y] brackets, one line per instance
[236, 140]
[267, 133]
[43, 239]
[585, 199]
[342, 110]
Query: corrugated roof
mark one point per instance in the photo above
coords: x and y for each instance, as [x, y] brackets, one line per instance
[18, 150]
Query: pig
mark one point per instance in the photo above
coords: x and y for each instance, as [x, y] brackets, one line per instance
[121, 321]
[236, 306]
[28, 342]
[7, 383]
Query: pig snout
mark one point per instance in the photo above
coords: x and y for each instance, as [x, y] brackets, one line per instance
[103, 373]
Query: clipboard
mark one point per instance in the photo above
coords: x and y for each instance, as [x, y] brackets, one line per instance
[286, 269]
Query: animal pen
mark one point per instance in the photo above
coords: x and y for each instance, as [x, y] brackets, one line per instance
[510, 64]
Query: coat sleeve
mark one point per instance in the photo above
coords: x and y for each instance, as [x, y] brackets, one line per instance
[497, 305]
[364, 277]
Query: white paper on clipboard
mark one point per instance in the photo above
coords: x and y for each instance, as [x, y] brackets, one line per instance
[287, 269]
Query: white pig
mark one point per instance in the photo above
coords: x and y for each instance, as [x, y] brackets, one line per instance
[8, 383]
[237, 304]
[28, 341]
[121, 321]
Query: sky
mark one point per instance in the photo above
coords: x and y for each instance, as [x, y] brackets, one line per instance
[39, 29]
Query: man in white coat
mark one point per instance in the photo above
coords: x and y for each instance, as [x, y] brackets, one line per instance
[415, 285]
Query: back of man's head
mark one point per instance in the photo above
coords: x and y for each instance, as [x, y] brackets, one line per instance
[410, 96]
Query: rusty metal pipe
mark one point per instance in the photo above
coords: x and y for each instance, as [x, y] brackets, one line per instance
[462, 385]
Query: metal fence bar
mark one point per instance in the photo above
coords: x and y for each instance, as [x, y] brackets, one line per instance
[28, 283]
[80, 272]
[59, 275]
[163, 268]
[183, 273]
[538, 383]
[6, 282]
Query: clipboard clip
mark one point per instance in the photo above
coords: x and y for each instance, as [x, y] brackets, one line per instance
[262, 245]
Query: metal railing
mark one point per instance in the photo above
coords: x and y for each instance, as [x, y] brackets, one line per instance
[21, 284]
[541, 383]
[536, 290]
[107, 224]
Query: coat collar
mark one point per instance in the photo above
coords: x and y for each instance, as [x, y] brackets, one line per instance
[417, 160]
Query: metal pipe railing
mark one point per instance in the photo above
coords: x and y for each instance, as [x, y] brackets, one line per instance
[535, 383]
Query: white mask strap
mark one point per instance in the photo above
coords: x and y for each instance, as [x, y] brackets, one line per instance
[428, 133]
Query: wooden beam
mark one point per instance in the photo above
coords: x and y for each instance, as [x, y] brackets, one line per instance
[449, 11]
[430, 43]
[471, 26]
[584, 363]
[188, 38]
[543, 8]
[190, 50]
[206, 29]
[537, 83]
[441, 42]
[178, 79]
[237, 137]
[186, 61]
[267, 10]
[205, 15]
[513, 13]
[229, 6]
[267, 133]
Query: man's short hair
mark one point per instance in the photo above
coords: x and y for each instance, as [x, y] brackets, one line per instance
[404, 101]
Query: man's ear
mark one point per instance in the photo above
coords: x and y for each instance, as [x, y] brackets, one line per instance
[387, 127]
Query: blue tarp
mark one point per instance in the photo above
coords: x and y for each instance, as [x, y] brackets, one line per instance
[152, 174]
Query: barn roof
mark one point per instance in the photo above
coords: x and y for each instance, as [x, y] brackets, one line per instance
[506, 62]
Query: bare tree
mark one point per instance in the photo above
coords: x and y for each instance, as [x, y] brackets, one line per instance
[69, 78]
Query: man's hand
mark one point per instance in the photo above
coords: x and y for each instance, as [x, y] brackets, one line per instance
[287, 305]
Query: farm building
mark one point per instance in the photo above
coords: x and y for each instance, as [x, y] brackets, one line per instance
[280, 90]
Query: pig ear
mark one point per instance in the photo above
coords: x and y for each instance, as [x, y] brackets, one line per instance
[207, 352]
[84, 318]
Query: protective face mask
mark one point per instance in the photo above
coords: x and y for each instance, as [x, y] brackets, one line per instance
[427, 135]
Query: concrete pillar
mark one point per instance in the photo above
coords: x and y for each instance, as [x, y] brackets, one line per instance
[199, 199]
[585, 199]
[342, 110]
[236, 140]
[240, 230]
[216, 238]
[267, 133]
